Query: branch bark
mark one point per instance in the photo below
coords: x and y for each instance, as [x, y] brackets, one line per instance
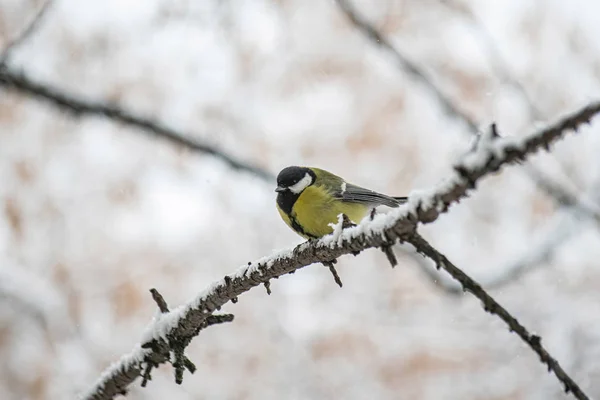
[493, 307]
[184, 323]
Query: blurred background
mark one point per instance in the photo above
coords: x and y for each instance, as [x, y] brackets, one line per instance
[93, 213]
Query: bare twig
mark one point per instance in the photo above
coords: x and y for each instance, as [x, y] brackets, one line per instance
[400, 224]
[19, 82]
[389, 254]
[405, 64]
[493, 307]
[542, 254]
[160, 301]
[387, 250]
[48, 306]
[534, 258]
[267, 286]
[218, 319]
[336, 277]
[27, 32]
[498, 63]
[566, 198]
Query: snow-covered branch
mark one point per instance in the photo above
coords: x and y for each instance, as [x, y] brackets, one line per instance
[18, 81]
[169, 332]
[558, 193]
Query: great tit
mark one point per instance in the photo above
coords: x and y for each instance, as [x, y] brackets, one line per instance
[309, 199]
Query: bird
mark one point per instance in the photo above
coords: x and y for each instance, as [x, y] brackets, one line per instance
[310, 199]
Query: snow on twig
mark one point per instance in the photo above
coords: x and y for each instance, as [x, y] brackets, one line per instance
[557, 192]
[185, 322]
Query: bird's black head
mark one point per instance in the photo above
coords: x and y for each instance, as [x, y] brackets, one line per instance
[294, 179]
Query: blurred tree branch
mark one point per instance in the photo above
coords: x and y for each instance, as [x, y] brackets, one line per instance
[582, 208]
[26, 32]
[532, 259]
[493, 307]
[497, 62]
[19, 82]
[406, 65]
[172, 331]
[16, 80]
[47, 306]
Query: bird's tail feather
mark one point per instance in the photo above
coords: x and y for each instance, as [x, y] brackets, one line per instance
[401, 200]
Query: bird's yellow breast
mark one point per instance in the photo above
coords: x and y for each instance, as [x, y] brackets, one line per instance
[315, 209]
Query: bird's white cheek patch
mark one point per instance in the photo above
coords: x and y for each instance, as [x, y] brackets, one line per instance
[343, 187]
[301, 184]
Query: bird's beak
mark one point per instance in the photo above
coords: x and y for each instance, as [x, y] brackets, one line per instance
[280, 189]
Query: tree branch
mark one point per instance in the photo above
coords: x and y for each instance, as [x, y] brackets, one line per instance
[501, 68]
[566, 198]
[182, 324]
[535, 257]
[27, 32]
[558, 193]
[19, 82]
[493, 307]
[497, 62]
[405, 64]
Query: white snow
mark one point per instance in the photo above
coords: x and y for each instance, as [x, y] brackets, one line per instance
[93, 214]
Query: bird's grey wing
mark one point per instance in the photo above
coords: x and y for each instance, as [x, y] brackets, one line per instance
[357, 194]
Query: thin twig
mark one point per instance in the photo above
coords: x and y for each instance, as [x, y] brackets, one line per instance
[398, 225]
[405, 64]
[219, 319]
[267, 285]
[534, 258]
[497, 62]
[389, 254]
[160, 301]
[566, 198]
[493, 307]
[27, 32]
[19, 82]
[544, 253]
[387, 250]
[336, 277]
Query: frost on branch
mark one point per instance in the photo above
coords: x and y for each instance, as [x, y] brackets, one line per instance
[185, 322]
